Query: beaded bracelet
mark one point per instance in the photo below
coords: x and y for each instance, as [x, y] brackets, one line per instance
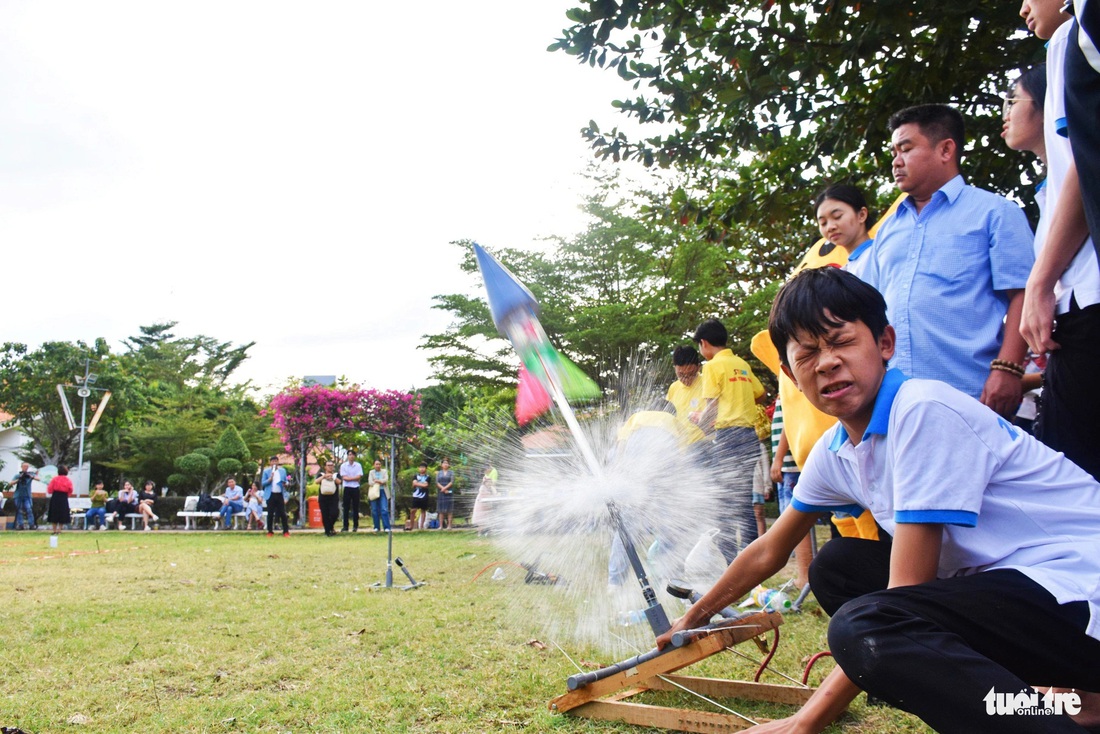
[1006, 366]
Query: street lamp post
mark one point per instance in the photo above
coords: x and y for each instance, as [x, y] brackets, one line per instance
[84, 391]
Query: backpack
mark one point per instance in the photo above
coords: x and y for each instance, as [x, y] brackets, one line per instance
[208, 503]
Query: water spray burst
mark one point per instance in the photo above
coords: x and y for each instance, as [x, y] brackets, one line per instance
[627, 476]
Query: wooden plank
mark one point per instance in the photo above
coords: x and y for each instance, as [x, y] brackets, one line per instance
[662, 717]
[700, 649]
[721, 688]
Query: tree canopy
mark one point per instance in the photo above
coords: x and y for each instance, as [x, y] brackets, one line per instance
[170, 397]
[628, 283]
[781, 98]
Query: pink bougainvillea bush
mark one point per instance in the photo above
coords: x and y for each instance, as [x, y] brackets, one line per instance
[319, 412]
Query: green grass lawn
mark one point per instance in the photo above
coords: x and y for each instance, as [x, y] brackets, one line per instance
[237, 632]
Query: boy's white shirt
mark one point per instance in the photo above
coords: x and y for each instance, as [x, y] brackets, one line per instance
[1005, 500]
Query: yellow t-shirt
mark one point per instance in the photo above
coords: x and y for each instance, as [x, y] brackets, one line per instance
[729, 380]
[658, 419]
[687, 400]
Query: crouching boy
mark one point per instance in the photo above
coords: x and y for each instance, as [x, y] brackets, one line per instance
[989, 580]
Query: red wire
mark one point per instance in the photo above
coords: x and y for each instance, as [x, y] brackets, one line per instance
[810, 664]
[768, 657]
[494, 563]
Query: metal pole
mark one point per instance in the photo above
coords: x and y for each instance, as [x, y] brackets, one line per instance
[392, 485]
[654, 612]
[303, 509]
[84, 392]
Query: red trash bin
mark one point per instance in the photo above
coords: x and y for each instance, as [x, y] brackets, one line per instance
[314, 506]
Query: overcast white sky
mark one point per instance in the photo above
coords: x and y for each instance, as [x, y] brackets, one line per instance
[285, 173]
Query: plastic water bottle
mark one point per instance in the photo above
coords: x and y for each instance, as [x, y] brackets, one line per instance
[771, 600]
[632, 617]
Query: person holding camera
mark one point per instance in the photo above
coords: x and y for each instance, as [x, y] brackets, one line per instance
[24, 508]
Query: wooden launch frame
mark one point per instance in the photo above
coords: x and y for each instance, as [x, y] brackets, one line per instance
[606, 699]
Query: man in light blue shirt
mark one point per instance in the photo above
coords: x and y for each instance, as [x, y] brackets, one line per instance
[232, 502]
[952, 264]
[273, 483]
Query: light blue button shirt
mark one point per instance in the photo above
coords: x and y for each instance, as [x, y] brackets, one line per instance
[944, 273]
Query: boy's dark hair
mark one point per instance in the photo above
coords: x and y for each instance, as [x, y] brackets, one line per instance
[801, 304]
[936, 122]
[713, 331]
[1034, 82]
[846, 193]
[684, 355]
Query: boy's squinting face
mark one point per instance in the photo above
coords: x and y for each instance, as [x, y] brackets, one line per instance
[841, 371]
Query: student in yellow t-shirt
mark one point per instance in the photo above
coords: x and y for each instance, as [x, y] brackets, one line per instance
[686, 394]
[730, 393]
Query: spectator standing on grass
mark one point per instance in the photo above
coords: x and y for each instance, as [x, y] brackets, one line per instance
[328, 497]
[952, 263]
[1062, 305]
[273, 482]
[480, 515]
[445, 499]
[98, 509]
[730, 394]
[378, 480]
[24, 506]
[1024, 112]
[59, 490]
[232, 502]
[418, 512]
[351, 472]
[1082, 105]
[842, 217]
[686, 393]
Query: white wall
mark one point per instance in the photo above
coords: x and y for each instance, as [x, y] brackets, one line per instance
[11, 440]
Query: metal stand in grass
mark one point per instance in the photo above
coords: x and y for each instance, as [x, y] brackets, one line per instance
[390, 560]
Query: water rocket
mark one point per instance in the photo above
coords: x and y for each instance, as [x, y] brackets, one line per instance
[545, 374]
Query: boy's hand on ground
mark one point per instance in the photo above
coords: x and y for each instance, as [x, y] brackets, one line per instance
[781, 726]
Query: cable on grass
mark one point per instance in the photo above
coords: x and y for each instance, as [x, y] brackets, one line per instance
[767, 658]
[810, 664]
[496, 563]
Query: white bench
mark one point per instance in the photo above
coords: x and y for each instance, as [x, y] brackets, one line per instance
[240, 519]
[133, 517]
[191, 516]
[77, 507]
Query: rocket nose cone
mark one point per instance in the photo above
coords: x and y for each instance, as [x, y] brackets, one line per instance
[505, 292]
